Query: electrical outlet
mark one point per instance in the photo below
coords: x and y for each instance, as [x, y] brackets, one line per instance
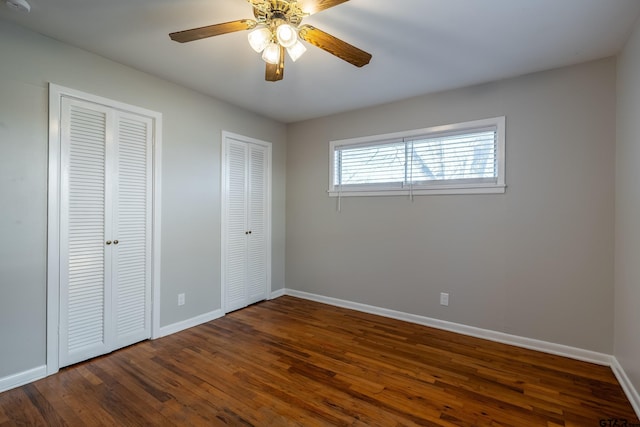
[444, 298]
[180, 299]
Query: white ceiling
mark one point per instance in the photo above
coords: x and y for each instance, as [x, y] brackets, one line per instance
[418, 46]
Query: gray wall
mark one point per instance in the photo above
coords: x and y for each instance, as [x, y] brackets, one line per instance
[192, 125]
[535, 262]
[627, 268]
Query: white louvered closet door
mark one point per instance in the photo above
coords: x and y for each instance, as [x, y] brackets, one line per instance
[235, 264]
[105, 221]
[246, 237]
[131, 279]
[257, 209]
[85, 291]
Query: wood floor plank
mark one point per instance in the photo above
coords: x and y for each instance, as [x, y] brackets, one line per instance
[20, 410]
[42, 405]
[291, 362]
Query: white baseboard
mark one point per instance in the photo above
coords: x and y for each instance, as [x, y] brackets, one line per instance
[501, 337]
[627, 385]
[22, 378]
[278, 293]
[203, 318]
[189, 323]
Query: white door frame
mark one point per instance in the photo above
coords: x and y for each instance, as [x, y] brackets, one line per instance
[223, 204]
[56, 93]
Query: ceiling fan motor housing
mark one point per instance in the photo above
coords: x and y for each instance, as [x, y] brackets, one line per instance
[278, 11]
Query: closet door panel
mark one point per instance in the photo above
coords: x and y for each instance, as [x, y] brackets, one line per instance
[84, 224]
[132, 231]
[257, 209]
[236, 230]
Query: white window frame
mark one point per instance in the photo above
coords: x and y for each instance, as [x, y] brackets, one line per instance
[453, 187]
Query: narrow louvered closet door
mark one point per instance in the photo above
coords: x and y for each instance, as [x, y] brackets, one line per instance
[257, 209]
[235, 264]
[85, 291]
[246, 233]
[131, 247]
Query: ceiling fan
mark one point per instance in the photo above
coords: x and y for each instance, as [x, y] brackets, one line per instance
[277, 28]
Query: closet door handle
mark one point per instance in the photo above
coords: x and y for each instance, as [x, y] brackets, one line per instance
[115, 242]
[108, 242]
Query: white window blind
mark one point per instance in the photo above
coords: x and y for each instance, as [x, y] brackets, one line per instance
[460, 158]
[375, 164]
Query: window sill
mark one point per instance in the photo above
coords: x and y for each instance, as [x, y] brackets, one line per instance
[434, 190]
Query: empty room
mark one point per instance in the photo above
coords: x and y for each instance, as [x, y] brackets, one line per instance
[320, 212]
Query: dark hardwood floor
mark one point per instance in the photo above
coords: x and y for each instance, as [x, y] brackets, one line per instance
[294, 362]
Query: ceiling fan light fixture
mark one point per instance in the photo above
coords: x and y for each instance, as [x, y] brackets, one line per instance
[296, 51]
[259, 39]
[271, 53]
[19, 5]
[286, 35]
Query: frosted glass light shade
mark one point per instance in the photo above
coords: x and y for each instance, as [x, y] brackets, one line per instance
[296, 51]
[286, 35]
[271, 53]
[259, 39]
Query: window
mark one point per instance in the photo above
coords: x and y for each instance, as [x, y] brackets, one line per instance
[463, 158]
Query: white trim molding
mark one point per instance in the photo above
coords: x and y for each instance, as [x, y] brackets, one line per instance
[22, 378]
[189, 323]
[157, 227]
[278, 293]
[626, 384]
